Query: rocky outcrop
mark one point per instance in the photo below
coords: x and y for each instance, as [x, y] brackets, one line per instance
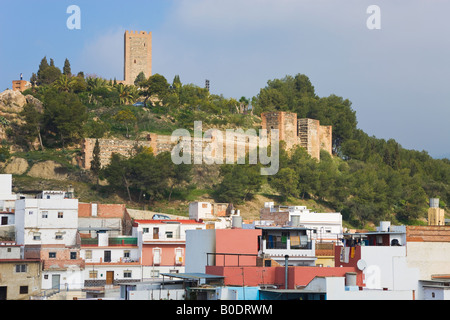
[48, 170]
[12, 101]
[16, 166]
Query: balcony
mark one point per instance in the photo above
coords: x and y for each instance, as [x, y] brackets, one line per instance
[111, 241]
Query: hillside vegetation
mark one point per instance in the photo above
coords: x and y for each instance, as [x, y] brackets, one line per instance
[366, 179]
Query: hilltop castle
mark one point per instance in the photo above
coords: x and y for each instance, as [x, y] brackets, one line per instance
[308, 133]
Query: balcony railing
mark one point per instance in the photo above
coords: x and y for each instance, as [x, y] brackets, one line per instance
[111, 241]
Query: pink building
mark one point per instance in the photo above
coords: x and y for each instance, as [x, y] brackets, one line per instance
[163, 244]
[239, 256]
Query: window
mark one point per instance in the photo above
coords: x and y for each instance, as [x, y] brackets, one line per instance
[52, 255]
[145, 230]
[155, 233]
[126, 253]
[92, 274]
[44, 214]
[21, 268]
[88, 254]
[23, 290]
[169, 234]
[36, 236]
[107, 256]
[60, 214]
[127, 274]
[155, 273]
[58, 236]
[9, 250]
[73, 256]
[30, 213]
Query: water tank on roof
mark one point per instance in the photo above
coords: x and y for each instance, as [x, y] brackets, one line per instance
[434, 202]
[350, 279]
[384, 226]
[236, 222]
[295, 220]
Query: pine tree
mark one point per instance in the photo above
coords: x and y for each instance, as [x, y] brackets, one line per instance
[66, 69]
[42, 66]
[95, 162]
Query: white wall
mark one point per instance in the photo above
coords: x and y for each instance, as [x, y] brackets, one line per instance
[29, 219]
[200, 210]
[429, 257]
[69, 279]
[328, 226]
[335, 290]
[387, 268]
[15, 252]
[198, 243]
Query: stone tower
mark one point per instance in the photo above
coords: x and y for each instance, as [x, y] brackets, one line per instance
[138, 55]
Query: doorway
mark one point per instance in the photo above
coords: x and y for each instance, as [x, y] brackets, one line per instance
[109, 277]
[3, 293]
[56, 281]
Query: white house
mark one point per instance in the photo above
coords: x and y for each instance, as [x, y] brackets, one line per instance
[110, 260]
[48, 219]
[326, 226]
[7, 198]
[47, 228]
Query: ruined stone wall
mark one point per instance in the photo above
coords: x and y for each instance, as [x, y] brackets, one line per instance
[107, 148]
[325, 138]
[308, 130]
[138, 55]
[308, 133]
[285, 122]
[238, 145]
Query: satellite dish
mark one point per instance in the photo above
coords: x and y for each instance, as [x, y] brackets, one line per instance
[361, 264]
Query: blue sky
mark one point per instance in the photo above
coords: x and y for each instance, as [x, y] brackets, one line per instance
[397, 77]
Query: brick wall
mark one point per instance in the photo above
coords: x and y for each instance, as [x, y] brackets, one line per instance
[428, 233]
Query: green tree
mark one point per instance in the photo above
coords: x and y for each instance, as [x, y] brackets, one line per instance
[156, 85]
[118, 174]
[240, 182]
[126, 117]
[33, 123]
[95, 162]
[64, 115]
[176, 83]
[140, 79]
[66, 69]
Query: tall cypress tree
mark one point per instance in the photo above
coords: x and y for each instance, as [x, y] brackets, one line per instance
[95, 162]
[66, 69]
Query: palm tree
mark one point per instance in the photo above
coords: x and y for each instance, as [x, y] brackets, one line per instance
[63, 83]
[127, 93]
